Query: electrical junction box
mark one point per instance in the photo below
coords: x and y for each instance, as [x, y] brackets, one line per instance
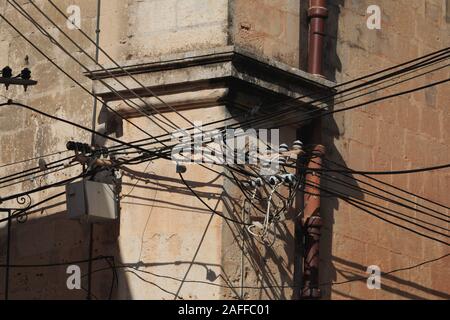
[91, 201]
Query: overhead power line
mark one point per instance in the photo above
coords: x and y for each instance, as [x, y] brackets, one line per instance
[441, 51]
[403, 63]
[395, 188]
[390, 96]
[208, 206]
[147, 89]
[165, 148]
[392, 172]
[367, 192]
[54, 41]
[71, 77]
[33, 159]
[11, 102]
[264, 118]
[366, 208]
[323, 105]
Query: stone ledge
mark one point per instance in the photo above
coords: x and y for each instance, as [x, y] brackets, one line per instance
[243, 79]
[199, 57]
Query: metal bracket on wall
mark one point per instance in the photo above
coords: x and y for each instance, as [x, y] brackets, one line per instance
[20, 214]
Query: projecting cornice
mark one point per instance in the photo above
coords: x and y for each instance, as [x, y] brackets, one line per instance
[226, 76]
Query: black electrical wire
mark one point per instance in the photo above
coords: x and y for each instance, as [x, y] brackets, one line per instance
[362, 278]
[319, 115]
[53, 117]
[208, 206]
[393, 172]
[440, 51]
[288, 201]
[46, 265]
[26, 15]
[432, 54]
[396, 188]
[115, 278]
[151, 92]
[87, 70]
[394, 213]
[26, 173]
[10, 102]
[239, 124]
[53, 40]
[241, 188]
[56, 184]
[396, 195]
[381, 197]
[58, 44]
[363, 207]
[115, 267]
[283, 111]
[34, 158]
[72, 78]
[222, 129]
[386, 78]
[365, 192]
[291, 111]
[377, 207]
[66, 181]
[36, 24]
[326, 113]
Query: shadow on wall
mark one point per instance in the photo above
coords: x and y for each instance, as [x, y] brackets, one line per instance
[413, 219]
[170, 285]
[352, 272]
[44, 246]
[257, 258]
[332, 62]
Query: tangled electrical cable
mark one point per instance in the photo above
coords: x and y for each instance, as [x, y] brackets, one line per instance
[418, 63]
[269, 184]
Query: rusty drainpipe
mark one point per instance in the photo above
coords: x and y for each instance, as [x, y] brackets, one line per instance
[317, 13]
[311, 225]
[312, 221]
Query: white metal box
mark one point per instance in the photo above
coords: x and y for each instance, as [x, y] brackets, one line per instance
[92, 201]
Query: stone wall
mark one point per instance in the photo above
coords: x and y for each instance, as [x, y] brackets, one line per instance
[174, 245]
[166, 244]
[400, 133]
[48, 236]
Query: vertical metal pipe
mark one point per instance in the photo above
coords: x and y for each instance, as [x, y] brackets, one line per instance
[312, 223]
[94, 121]
[91, 248]
[8, 257]
[317, 13]
[97, 50]
[244, 219]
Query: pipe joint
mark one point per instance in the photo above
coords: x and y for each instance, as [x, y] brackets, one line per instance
[314, 222]
[317, 12]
